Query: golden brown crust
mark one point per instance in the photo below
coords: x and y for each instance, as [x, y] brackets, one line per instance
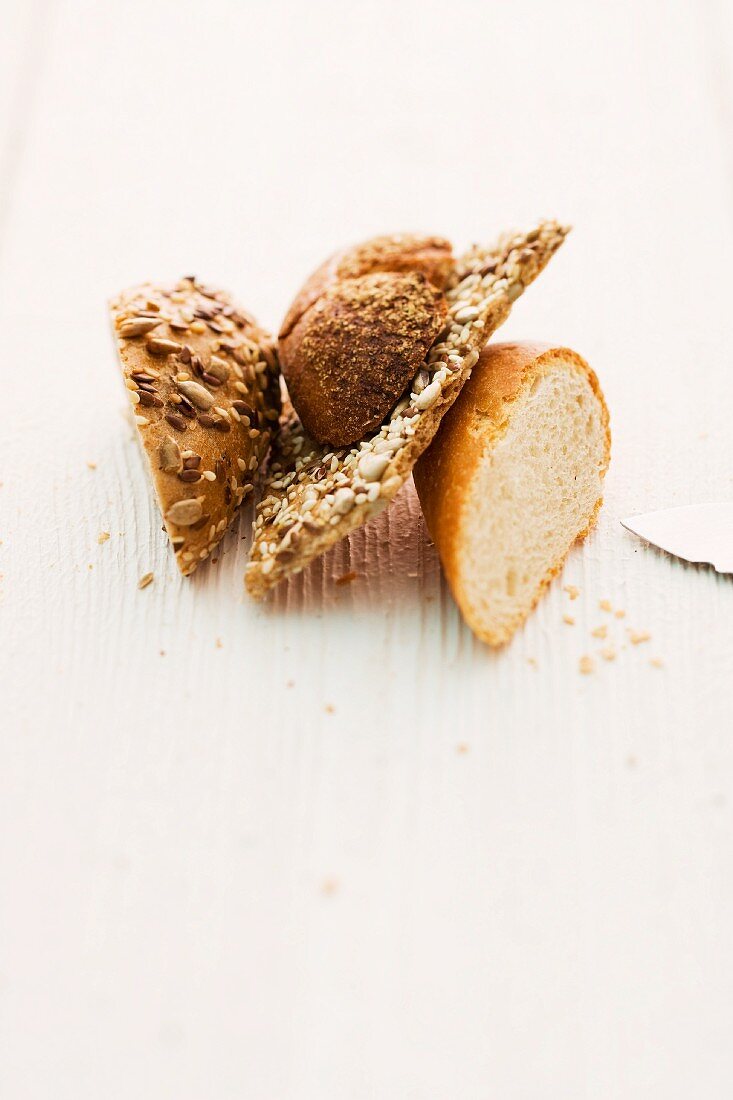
[358, 330]
[314, 495]
[432, 256]
[473, 426]
[204, 382]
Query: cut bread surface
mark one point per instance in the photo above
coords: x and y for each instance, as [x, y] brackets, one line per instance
[535, 429]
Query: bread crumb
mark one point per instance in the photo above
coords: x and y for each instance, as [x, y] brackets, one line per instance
[329, 886]
[347, 578]
[620, 614]
[605, 605]
[90, 566]
[532, 661]
[572, 591]
[586, 665]
[462, 748]
[600, 632]
[91, 465]
[102, 537]
[162, 652]
[631, 761]
[290, 684]
[145, 580]
[608, 653]
[330, 708]
[656, 662]
[569, 620]
[636, 637]
[219, 644]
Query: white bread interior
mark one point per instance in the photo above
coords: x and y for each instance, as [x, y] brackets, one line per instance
[513, 478]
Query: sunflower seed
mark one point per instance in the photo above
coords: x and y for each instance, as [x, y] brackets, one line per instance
[156, 345]
[138, 326]
[169, 455]
[184, 513]
[197, 394]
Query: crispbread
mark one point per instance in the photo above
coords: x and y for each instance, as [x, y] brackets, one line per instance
[314, 495]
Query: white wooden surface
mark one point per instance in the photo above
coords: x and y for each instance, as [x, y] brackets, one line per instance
[332, 847]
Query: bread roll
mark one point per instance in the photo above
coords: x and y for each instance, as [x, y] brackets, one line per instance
[359, 329]
[315, 494]
[513, 478]
[204, 382]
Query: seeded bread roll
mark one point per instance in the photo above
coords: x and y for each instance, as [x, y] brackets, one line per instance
[359, 329]
[314, 494]
[204, 382]
[513, 478]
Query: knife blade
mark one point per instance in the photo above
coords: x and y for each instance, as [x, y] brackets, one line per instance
[695, 532]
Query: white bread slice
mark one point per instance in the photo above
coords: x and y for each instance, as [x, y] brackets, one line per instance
[513, 478]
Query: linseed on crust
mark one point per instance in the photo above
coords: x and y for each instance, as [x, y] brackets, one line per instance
[314, 495]
[203, 382]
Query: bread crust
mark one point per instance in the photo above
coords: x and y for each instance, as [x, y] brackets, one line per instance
[203, 379]
[472, 428]
[315, 495]
[358, 330]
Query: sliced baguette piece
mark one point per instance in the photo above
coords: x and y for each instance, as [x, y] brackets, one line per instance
[314, 494]
[203, 379]
[513, 478]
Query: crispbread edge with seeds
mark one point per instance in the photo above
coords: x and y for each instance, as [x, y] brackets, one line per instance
[315, 495]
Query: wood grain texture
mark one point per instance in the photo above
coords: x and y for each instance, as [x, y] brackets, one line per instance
[331, 846]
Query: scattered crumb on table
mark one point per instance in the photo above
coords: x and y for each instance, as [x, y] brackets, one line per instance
[608, 653]
[636, 637]
[586, 665]
[219, 644]
[91, 465]
[600, 631]
[462, 748]
[330, 708]
[656, 662]
[145, 580]
[532, 661]
[569, 620]
[102, 537]
[620, 614]
[572, 590]
[605, 605]
[329, 886]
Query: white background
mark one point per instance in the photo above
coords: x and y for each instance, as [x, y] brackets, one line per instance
[332, 847]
